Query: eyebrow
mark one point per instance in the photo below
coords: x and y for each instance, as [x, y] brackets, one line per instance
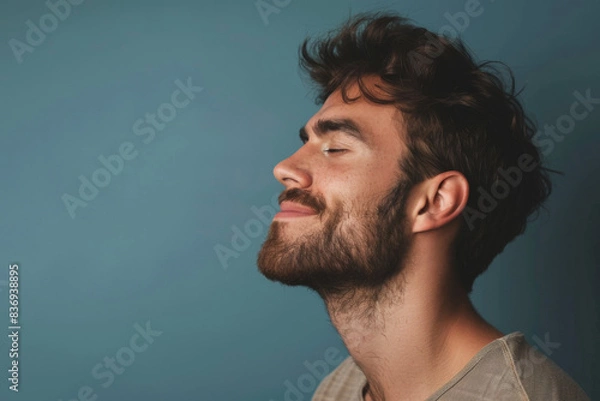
[326, 126]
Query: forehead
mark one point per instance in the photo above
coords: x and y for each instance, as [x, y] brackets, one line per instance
[378, 123]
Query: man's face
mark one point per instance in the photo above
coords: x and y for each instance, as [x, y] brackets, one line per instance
[357, 236]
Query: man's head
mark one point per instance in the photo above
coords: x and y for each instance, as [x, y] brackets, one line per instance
[347, 172]
[418, 129]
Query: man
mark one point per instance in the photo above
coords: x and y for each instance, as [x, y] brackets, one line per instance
[381, 216]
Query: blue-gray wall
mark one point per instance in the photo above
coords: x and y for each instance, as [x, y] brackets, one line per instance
[143, 249]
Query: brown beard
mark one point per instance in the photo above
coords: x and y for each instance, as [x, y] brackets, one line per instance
[349, 264]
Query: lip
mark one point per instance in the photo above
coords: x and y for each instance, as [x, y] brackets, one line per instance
[289, 209]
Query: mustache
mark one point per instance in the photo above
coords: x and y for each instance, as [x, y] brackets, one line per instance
[303, 198]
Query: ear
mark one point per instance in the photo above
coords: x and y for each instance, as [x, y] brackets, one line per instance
[439, 200]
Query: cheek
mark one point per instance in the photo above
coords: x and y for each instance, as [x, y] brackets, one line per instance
[351, 191]
[353, 205]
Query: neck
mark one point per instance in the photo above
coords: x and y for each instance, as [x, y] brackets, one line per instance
[411, 336]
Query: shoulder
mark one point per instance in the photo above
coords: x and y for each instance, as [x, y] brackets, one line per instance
[344, 383]
[529, 375]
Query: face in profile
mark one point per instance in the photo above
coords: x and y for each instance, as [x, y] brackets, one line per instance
[355, 234]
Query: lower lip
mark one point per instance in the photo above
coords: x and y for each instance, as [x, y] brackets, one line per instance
[293, 214]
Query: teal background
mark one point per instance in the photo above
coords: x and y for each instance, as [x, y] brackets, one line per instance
[143, 249]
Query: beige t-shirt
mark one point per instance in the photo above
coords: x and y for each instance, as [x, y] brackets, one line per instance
[507, 369]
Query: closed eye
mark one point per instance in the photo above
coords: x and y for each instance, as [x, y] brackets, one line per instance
[304, 139]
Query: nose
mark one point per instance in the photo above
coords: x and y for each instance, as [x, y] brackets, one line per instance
[292, 172]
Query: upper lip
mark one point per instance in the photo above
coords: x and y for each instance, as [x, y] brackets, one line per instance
[294, 207]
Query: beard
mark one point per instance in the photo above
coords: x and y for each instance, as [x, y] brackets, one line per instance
[345, 258]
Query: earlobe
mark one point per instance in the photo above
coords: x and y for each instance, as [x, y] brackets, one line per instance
[441, 199]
